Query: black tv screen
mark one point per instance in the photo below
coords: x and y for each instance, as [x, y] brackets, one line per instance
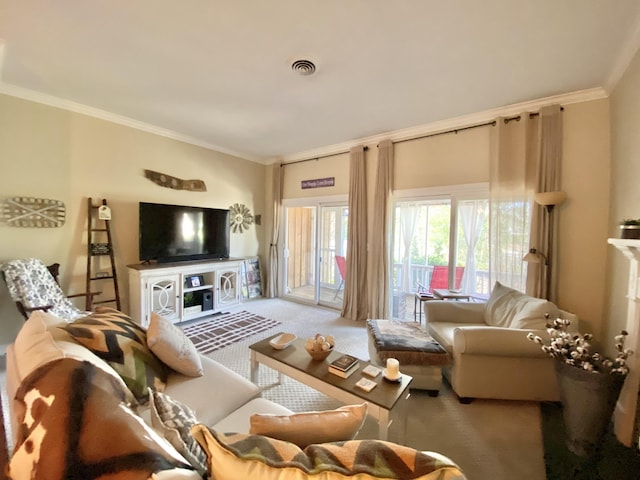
[173, 233]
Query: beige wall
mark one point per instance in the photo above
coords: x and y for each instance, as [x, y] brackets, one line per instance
[463, 158]
[51, 153]
[46, 152]
[583, 244]
[336, 166]
[625, 194]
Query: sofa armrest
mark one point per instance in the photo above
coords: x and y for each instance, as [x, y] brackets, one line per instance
[457, 312]
[496, 341]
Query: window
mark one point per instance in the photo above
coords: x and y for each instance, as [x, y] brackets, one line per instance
[432, 232]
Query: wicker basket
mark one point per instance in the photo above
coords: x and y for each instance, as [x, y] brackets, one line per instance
[320, 355]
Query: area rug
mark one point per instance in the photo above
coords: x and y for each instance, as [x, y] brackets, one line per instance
[220, 331]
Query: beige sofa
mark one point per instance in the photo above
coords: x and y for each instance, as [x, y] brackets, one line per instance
[72, 416]
[492, 357]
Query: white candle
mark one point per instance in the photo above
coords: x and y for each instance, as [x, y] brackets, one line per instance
[393, 368]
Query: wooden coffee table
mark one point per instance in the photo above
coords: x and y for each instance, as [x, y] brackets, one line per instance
[386, 402]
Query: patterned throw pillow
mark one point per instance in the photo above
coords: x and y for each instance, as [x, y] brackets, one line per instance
[306, 428]
[236, 455]
[122, 343]
[72, 424]
[174, 420]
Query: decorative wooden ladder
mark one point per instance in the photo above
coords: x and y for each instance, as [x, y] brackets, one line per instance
[99, 218]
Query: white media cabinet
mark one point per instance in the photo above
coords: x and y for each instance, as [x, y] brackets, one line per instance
[183, 291]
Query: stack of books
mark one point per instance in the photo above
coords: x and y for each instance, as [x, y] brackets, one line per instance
[344, 366]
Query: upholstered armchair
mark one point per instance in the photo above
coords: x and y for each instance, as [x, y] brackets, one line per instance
[34, 286]
[492, 357]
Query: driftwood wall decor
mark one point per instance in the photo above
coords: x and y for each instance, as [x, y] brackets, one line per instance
[176, 183]
[32, 212]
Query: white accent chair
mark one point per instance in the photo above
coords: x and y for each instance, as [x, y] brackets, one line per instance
[492, 357]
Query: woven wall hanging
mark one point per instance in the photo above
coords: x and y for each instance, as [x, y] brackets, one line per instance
[29, 212]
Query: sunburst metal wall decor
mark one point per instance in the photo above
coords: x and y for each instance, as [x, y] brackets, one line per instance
[241, 218]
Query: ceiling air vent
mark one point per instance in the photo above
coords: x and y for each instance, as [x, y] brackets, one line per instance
[303, 67]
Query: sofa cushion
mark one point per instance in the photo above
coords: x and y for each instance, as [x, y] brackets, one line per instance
[219, 387]
[306, 428]
[443, 332]
[122, 343]
[173, 347]
[236, 456]
[510, 308]
[174, 420]
[64, 410]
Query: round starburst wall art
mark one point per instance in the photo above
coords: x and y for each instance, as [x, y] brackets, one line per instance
[241, 218]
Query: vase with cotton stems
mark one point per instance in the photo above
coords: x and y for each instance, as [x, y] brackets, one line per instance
[589, 383]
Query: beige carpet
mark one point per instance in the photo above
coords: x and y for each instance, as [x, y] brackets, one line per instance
[489, 439]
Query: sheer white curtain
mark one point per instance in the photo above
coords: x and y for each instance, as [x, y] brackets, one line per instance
[511, 181]
[355, 304]
[408, 213]
[379, 272]
[276, 183]
[472, 216]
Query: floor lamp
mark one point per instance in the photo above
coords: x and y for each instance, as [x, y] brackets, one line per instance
[548, 200]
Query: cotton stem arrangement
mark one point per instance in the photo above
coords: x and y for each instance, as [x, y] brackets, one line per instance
[575, 349]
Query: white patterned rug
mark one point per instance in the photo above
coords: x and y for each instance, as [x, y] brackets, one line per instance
[214, 333]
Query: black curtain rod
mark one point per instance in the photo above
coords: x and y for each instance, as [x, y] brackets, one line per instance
[531, 115]
[453, 130]
[456, 130]
[318, 158]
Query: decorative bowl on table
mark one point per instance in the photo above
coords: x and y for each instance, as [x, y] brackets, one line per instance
[319, 347]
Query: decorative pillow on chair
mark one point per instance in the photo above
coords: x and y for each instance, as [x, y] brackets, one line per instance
[510, 308]
[173, 347]
[236, 456]
[306, 428]
[122, 343]
[174, 420]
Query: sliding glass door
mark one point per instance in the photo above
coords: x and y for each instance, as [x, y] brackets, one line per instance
[315, 247]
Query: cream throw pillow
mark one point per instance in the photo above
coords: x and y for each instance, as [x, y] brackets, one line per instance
[306, 428]
[510, 308]
[173, 347]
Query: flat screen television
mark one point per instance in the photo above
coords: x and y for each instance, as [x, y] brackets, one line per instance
[174, 233]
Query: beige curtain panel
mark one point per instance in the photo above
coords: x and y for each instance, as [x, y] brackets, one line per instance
[548, 179]
[355, 302]
[379, 269]
[272, 278]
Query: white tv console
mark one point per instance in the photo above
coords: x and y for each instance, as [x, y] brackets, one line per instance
[183, 291]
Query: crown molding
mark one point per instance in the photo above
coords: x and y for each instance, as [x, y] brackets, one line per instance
[450, 124]
[50, 100]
